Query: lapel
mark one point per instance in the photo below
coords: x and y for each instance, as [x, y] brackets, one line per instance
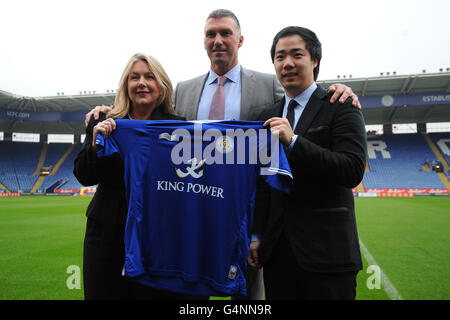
[247, 86]
[195, 93]
[312, 107]
[159, 114]
[278, 108]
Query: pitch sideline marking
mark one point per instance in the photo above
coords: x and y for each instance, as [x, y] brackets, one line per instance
[387, 284]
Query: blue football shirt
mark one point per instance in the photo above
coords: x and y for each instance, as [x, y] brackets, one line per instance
[191, 189]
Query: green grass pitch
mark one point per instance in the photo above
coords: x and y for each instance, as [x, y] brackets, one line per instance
[407, 238]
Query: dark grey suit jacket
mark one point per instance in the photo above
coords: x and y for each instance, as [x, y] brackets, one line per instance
[259, 91]
[318, 217]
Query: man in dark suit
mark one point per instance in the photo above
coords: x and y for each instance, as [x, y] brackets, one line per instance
[309, 244]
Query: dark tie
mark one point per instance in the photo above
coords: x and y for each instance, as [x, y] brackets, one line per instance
[217, 109]
[290, 114]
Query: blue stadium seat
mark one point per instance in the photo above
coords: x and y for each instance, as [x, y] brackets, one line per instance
[65, 171]
[442, 141]
[395, 161]
[18, 161]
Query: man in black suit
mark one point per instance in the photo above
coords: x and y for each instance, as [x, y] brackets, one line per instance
[309, 244]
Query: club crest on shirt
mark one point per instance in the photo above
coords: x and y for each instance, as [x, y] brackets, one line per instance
[224, 144]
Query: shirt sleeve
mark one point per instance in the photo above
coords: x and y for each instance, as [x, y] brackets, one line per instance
[108, 146]
[277, 172]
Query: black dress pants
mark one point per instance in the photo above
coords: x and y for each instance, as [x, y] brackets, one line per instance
[285, 280]
[103, 259]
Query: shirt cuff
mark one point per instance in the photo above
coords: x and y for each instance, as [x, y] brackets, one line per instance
[291, 145]
[255, 238]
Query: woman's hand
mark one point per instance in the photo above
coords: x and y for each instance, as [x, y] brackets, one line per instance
[96, 112]
[105, 128]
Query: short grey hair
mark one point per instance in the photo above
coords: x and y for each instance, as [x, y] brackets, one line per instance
[221, 13]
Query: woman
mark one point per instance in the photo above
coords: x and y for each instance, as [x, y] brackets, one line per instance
[145, 93]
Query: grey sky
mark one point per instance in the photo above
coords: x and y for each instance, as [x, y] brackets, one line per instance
[71, 46]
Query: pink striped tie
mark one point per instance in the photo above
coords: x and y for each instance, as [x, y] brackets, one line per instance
[217, 109]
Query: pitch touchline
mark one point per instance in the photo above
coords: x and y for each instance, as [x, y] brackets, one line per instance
[388, 286]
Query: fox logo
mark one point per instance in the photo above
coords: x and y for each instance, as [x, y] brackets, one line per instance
[195, 165]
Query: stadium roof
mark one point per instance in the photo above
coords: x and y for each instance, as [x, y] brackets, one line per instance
[401, 85]
[396, 84]
[52, 104]
[363, 87]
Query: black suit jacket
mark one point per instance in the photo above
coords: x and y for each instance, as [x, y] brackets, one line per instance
[318, 217]
[108, 205]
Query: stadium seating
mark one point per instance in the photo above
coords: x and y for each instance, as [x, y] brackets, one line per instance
[442, 141]
[65, 171]
[18, 161]
[395, 161]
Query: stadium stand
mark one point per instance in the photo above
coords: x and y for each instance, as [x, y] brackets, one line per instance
[64, 172]
[442, 141]
[7, 174]
[18, 161]
[395, 161]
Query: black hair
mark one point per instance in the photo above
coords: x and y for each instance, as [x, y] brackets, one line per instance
[313, 44]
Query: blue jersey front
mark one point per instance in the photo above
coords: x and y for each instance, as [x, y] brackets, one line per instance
[191, 190]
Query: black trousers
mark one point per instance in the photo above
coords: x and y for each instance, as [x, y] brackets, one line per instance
[255, 285]
[103, 259]
[285, 280]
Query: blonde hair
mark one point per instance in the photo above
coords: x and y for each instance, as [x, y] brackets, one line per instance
[122, 103]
